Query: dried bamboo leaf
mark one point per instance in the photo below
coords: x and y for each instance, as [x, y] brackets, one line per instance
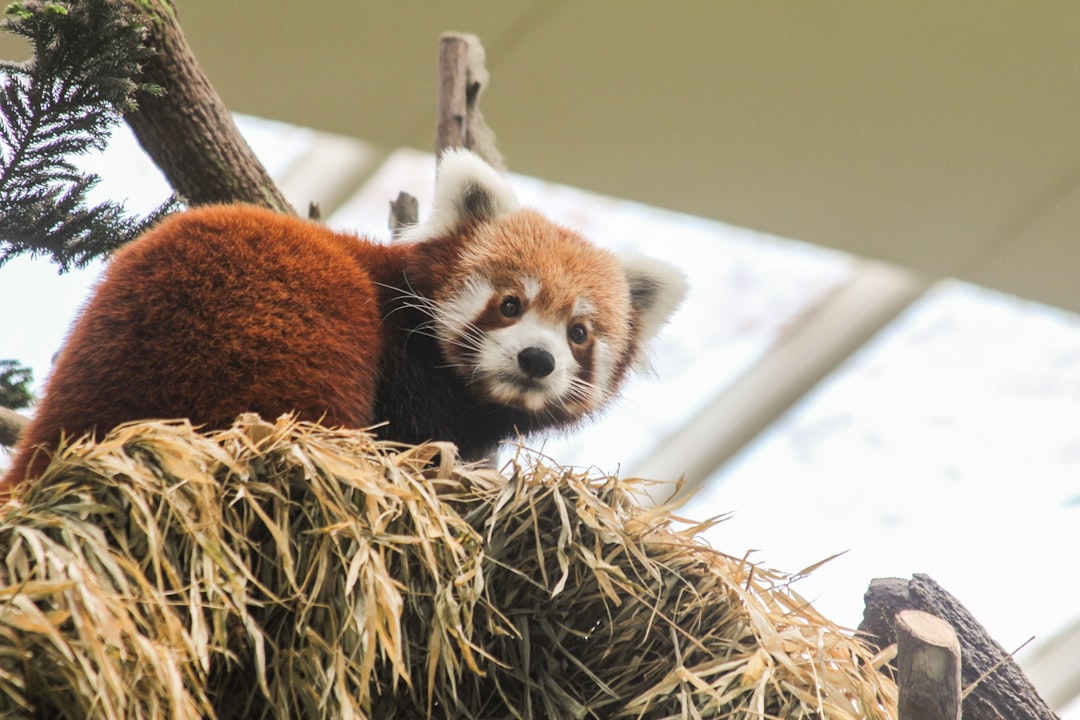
[281, 570]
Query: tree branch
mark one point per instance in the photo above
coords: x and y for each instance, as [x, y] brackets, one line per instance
[462, 79]
[188, 131]
[11, 426]
[928, 667]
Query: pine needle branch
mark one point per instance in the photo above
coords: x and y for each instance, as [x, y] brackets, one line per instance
[15, 382]
[62, 103]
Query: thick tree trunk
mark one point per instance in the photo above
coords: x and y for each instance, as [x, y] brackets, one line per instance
[188, 131]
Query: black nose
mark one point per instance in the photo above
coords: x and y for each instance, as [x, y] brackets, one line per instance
[536, 362]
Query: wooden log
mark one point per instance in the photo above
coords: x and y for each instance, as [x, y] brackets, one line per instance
[462, 79]
[928, 667]
[452, 112]
[1000, 692]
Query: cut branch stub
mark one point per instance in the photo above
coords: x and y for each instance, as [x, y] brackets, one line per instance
[459, 123]
[928, 667]
[452, 103]
[404, 211]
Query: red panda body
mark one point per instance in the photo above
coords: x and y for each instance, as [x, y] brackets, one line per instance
[487, 322]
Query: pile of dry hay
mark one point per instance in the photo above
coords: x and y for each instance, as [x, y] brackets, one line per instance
[288, 571]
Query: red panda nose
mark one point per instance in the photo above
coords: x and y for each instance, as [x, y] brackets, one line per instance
[536, 362]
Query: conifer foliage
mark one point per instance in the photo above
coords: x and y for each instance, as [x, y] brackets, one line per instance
[59, 104]
[15, 385]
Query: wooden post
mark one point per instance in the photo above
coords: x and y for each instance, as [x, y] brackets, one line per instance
[928, 667]
[462, 79]
[459, 123]
[452, 117]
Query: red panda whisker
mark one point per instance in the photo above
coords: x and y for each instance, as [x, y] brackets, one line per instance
[584, 391]
[472, 343]
[470, 339]
[429, 311]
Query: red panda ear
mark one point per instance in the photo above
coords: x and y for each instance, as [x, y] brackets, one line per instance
[656, 290]
[467, 189]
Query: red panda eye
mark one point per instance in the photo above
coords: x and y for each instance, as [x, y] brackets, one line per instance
[578, 333]
[510, 307]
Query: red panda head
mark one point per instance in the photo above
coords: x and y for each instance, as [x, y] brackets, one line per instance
[530, 314]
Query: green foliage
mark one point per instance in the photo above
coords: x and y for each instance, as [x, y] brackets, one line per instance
[14, 381]
[61, 103]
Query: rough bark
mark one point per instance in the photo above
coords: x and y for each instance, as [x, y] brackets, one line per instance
[1002, 691]
[188, 131]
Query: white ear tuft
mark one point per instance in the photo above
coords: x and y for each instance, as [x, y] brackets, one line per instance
[467, 189]
[656, 290]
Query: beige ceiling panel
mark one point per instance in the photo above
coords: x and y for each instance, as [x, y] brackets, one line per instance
[365, 68]
[1042, 261]
[912, 132]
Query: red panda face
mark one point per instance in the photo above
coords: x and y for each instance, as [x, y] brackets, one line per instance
[536, 318]
[528, 313]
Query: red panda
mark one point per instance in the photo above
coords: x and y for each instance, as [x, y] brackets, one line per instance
[486, 321]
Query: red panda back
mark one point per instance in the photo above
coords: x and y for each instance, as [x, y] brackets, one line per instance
[216, 312]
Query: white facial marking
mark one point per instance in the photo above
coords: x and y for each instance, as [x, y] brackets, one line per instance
[495, 353]
[603, 367]
[457, 313]
[532, 287]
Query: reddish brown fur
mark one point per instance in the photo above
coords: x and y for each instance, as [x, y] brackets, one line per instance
[291, 294]
[232, 309]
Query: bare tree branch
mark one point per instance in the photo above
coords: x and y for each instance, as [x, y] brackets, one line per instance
[188, 131]
[462, 79]
[11, 426]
